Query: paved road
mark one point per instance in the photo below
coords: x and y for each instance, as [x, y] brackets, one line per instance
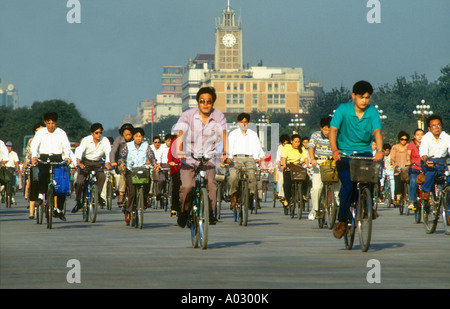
[272, 252]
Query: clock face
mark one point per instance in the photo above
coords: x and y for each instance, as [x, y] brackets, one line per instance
[229, 40]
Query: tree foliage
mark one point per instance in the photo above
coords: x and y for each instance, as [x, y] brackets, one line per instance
[18, 123]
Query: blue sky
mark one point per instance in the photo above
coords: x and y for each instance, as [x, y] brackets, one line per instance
[113, 59]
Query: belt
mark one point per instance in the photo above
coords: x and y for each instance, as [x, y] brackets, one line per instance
[243, 156]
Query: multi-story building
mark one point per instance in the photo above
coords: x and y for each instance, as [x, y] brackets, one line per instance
[9, 95]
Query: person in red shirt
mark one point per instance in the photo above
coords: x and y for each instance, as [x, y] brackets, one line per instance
[413, 157]
[175, 177]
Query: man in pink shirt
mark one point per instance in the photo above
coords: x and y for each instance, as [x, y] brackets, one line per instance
[199, 129]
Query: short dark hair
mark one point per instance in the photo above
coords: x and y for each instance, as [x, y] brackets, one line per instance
[284, 138]
[416, 130]
[402, 133]
[96, 126]
[325, 121]
[51, 116]
[156, 137]
[243, 116]
[434, 117]
[295, 136]
[139, 130]
[362, 87]
[386, 146]
[38, 125]
[126, 126]
[209, 90]
[168, 136]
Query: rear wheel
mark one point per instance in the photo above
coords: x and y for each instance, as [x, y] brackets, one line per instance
[445, 206]
[93, 205]
[203, 218]
[430, 213]
[349, 235]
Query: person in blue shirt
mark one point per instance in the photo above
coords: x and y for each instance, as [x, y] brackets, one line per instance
[353, 128]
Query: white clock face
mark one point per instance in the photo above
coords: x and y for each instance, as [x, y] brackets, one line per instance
[229, 40]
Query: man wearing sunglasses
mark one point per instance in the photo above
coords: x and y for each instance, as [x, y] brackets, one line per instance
[93, 148]
[434, 148]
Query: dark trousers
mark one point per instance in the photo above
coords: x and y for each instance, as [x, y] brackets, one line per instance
[176, 183]
[96, 166]
[132, 192]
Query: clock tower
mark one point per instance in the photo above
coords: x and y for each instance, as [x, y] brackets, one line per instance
[228, 49]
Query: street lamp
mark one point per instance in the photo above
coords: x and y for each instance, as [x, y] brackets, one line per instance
[262, 124]
[296, 123]
[380, 111]
[420, 112]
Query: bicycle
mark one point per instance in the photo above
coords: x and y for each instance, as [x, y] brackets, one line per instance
[167, 187]
[241, 208]
[439, 203]
[221, 188]
[49, 204]
[198, 214]
[154, 188]
[387, 191]
[7, 194]
[298, 176]
[110, 188]
[364, 171]
[140, 176]
[327, 204]
[265, 183]
[90, 197]
[404, 199]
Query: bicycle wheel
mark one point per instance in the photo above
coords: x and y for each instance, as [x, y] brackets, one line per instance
[218, 200]
[49, 202]
[8, 195]
[376, 190]
[323, 208]
[245, 202]
[388, 193]
[330, 208]
[140, 208]
[299, 201]
[193, 220]
[418, 206]
[93, 205]
[406, 199]
[109, 195]
[364, 219]
[294, 200]
[203, 217]
[274, 195]
[40, 212]
[430, 213]
[445, 207]
[349, 236]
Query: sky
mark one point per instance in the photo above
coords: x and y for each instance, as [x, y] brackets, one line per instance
[114, 57]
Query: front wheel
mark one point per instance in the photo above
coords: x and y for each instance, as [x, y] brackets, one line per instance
[349, 235]
[365, 215]
[203, 217]
[445, 206]
[49, 202]
[93, 205]
[430, 213]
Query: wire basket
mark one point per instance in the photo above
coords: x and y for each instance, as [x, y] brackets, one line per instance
[140, 175]
[328, 171]
[298, 173]
[365, 170]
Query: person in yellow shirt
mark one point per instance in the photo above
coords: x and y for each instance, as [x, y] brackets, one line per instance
[293, 153]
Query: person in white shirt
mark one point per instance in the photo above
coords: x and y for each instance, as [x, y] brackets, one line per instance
[13, 166]
[244, 148]
[434, 148]
[93, 148]
[4, 156]
[50, 143]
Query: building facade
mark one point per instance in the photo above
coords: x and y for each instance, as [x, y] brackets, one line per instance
[9, 96]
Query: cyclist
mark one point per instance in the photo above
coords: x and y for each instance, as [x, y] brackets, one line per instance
[50, 143]
[243, 146]
[126, 134]
[199, 130]
[389, 171]
[159, 148]
[135, 153]
[413, 159]
[93, 148]
[295, 154]
[399, 160]
[175, 177]
[319, 151]
[284, 139]
[353, 127]
[434, 148]
[32, 182]
[12, 166]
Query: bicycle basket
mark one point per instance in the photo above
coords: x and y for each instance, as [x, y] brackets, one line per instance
[140, 175]
[298, 173]
[265, 176]
[404, 174]
[365, 170]
[328, 171]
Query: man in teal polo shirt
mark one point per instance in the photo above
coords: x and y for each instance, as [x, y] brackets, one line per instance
[354, 127]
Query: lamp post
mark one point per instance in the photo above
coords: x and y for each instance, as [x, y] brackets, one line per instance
[420, 112]
[262, 124]
[296, 124]
[380, 111]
